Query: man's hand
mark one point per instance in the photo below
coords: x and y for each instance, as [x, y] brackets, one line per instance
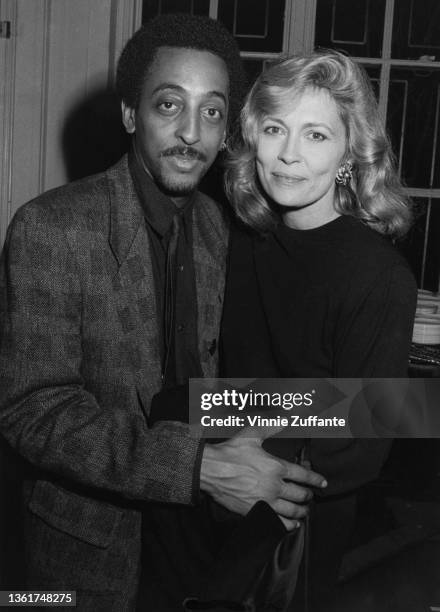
[238, 473]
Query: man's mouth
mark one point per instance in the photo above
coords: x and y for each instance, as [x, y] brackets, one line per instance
[184, 153]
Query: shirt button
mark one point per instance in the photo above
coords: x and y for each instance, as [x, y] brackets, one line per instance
[181, 268]
[180, 328]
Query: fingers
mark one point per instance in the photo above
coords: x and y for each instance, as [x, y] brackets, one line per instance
[289, 524]
[292, 492]
[303, 475]
[289, 510]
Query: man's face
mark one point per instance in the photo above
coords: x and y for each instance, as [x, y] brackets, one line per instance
[180, 123]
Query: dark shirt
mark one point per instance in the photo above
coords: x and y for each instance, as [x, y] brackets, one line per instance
[169, 230]
[169, 530]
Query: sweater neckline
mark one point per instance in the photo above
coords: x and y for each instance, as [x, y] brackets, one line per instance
[332, 229]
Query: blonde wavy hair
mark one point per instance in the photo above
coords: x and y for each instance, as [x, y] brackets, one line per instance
[375, 194]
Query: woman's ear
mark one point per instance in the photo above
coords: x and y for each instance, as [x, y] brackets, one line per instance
[128, 118]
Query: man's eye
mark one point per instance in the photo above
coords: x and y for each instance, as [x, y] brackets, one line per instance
[214, 114]
[167, 106]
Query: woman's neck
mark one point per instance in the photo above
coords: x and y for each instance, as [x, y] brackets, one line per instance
[309, 217]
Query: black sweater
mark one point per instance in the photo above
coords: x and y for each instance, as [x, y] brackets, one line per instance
[335, 301]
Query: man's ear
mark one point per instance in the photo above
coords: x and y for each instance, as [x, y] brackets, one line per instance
[223, 145]
[128, 118]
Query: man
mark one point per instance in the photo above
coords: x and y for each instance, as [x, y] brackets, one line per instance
[111, 291]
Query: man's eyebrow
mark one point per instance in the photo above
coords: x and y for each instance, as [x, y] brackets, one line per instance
[182, 90]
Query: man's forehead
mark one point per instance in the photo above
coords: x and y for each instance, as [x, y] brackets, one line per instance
[178, 65]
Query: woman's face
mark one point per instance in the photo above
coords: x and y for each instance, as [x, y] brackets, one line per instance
[299, 151]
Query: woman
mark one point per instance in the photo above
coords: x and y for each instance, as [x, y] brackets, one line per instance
[315, 287]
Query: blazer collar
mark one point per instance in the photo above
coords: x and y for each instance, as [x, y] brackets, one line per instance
[126, 214]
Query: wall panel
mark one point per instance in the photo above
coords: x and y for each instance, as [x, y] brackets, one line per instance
[28, 129]
[77, 68]
[7, 71]
[61, 55]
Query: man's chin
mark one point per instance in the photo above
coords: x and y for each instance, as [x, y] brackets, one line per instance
[179, 188]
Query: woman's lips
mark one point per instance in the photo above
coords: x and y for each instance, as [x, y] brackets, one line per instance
[287, 179]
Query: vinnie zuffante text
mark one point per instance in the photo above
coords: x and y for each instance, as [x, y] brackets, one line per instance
[231, 398]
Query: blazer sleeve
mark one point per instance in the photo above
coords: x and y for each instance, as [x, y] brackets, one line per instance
[46, 413]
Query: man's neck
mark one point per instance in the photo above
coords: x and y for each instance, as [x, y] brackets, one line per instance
[181, 201]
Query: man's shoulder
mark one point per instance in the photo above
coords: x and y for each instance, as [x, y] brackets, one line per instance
[83, 200]
[217, 212]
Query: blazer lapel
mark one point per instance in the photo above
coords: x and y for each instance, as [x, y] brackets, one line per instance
[134, 281]
[126, 213]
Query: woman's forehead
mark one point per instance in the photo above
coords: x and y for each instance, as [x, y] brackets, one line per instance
[284, 101]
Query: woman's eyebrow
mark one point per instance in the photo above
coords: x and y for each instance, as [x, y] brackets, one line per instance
[310, 124]
[275, 119]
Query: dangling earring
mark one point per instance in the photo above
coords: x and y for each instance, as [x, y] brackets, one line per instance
[344, 174]
[223, 146]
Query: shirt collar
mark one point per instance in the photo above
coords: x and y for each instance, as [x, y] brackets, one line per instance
[159, 210]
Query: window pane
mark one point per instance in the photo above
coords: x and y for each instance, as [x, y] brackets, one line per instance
[253, 68]
[256, 24]
[151, 8]
[416, 29]
[422, 245]
[355, 27]
[413, 122]
[374, 74]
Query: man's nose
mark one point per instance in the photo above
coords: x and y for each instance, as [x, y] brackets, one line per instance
[290, 151]
[188, 129]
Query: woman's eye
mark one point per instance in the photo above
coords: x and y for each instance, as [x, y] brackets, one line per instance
[272, 129]
[318, 136]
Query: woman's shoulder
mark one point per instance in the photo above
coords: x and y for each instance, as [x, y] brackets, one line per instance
[367, 245]
[378, 266]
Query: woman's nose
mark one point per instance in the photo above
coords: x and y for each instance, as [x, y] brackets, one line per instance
[290, 151]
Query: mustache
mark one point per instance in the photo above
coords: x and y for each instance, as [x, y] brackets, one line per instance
[189, 152]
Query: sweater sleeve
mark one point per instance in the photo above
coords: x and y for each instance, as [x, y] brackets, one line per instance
[375, 335]
[374, 342]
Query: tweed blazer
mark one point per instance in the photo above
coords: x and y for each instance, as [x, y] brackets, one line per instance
[79, 355]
